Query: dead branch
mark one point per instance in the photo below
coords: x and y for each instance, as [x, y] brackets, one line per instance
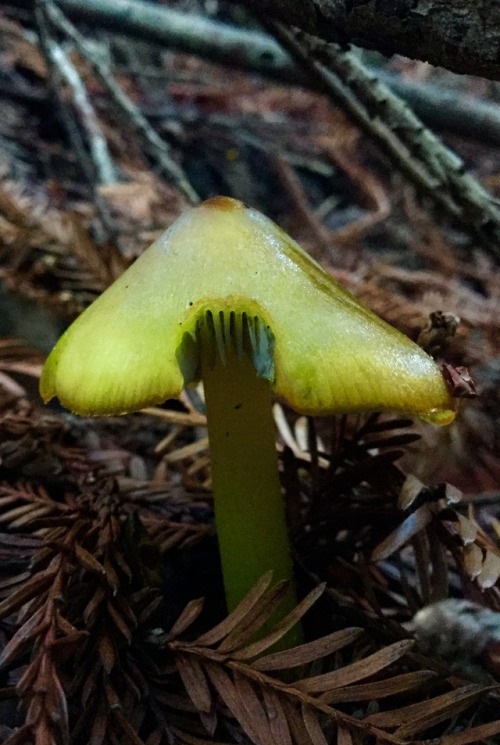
[106, 172]
[98, 165]
[413, 148]
[158, 148]
[463, 36]
[252, 50]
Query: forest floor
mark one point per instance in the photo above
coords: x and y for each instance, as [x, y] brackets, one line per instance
[106, 529]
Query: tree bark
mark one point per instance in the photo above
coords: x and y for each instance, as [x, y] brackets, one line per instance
[461, 35]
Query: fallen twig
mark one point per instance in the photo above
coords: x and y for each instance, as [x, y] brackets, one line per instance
[105, 170]
[413, 149]
[156, 146]
[61, 67]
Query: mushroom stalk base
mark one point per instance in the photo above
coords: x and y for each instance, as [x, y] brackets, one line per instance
[249, 507]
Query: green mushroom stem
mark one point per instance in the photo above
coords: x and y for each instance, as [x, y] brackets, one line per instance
[248, 504]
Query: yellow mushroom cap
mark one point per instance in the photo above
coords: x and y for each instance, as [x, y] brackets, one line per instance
[331, 353]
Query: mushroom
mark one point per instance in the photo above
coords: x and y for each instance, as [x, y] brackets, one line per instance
[226, 296]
